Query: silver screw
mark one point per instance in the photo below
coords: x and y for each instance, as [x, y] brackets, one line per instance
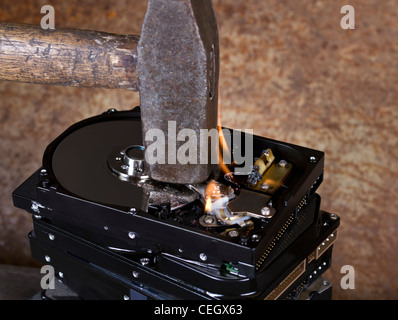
[313, 159]
[233, 234]
[265, 211]
[145, 261]
[255, 237]
[203, 257]
[132, 235]
[136, 274]
[283, 163]
[51, 236]
[209, 219]
[334, 216]
[265, 186]
[61, 275]
[47, 258]
[126, 297]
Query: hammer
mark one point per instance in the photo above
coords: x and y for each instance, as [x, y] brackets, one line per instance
[174, 65]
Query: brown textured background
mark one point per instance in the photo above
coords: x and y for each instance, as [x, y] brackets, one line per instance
[290, 73]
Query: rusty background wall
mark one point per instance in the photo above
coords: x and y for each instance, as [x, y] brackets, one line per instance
[290, 73]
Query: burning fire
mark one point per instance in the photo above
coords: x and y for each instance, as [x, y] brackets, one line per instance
[224, 148]
[208, 204]
[213, 192]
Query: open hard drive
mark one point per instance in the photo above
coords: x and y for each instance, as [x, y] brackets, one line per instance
[96, 212]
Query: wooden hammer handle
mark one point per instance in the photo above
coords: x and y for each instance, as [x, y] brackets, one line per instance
[68, 57]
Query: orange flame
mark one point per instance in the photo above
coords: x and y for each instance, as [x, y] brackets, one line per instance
[212, 191]
[208, 204]
[223, 149]
[212, 194]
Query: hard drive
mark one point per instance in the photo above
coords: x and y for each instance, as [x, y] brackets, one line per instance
[97, 272]
[93, 185]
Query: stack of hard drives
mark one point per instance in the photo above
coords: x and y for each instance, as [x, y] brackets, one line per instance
[111, 233]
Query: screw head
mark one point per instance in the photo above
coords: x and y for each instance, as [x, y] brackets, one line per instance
[51, 236]
[145, 261]
[233, 234]
[255, 238]
[266, 211]
[209, 219]
[136, 274]
[132, 235]
[265, 186]
[203, 257]
[283, 163]
[47, 258]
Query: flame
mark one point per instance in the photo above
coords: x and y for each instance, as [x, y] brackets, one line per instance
[213, 189]
[223, 149]
[208, 204]
[213, 194]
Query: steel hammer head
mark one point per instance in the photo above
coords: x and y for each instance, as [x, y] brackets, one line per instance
[178, 71]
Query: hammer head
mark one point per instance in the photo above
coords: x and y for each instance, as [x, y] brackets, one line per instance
[178, 70]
